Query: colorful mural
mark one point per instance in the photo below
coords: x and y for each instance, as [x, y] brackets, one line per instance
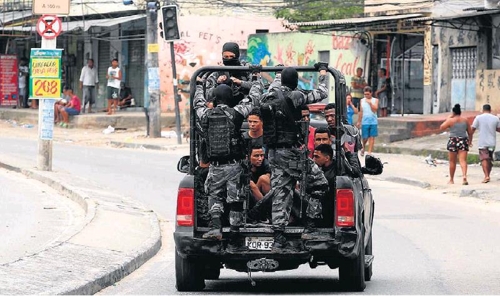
[343, 51]
[200, 45]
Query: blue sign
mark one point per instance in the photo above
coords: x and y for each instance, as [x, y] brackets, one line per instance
[47, 119]
[38, 52]
[154, 79]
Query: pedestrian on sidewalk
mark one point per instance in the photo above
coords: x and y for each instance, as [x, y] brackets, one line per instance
[459, 142]
[114, 77]
[367, 120]
[381, 93]
[358, 84]
[23, 83]
[89, 83]
[73, 108]
[487, 124]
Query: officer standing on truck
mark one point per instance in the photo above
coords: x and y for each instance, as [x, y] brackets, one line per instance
[240, 82]
[225, 150]
[281, 110]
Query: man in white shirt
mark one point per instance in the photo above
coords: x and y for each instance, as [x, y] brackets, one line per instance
[487, 124]
[89, 82]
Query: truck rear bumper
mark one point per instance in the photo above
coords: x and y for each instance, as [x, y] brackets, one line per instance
[343, 245]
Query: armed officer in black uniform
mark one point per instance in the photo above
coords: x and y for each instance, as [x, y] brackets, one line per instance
[221, 126]
[281, 110]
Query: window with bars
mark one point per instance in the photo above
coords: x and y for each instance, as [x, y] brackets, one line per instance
[464, 61]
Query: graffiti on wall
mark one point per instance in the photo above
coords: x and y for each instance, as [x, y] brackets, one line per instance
[487, 88]
[201, 45]
[342, 51]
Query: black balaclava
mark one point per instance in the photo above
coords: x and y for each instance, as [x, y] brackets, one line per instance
[290, 78]
[234, 48]
[223, 94]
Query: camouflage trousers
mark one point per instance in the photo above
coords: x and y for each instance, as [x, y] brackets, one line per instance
[284, 177]
[222, 185]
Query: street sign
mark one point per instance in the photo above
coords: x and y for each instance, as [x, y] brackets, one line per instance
[49, 26]
[60, 7]
[45, 73]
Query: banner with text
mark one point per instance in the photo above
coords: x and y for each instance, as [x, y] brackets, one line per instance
[8, 80]
[45, 71]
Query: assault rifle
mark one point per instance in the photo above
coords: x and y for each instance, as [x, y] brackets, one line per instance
[304, 159]
[244, 190]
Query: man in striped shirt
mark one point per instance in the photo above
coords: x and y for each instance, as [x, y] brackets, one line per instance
[358, 83]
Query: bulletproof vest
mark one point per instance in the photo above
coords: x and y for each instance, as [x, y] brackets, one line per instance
[280, 117]
[223, 140]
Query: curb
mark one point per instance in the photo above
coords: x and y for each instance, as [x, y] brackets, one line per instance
[118, 144]
[472, 158]
[408, 181]
[110, 274]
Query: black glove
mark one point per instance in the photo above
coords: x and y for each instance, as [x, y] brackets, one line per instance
[255, 68]
[279, 65]
[321, 66]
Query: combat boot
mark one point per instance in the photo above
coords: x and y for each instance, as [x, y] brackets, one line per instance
[312, 233]
[236, 244]
[281, 245]
[215, 232]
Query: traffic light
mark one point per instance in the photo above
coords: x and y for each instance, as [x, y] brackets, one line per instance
[169, 28]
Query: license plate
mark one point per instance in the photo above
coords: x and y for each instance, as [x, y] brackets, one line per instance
[259, 243]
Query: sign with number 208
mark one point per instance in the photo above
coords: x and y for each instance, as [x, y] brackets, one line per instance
[46, 87]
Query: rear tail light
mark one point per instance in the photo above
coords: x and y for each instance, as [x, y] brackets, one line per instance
[344, 209]
[185, 207]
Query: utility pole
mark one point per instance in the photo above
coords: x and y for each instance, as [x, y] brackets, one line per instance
[154, 109]
[45, 84]
[177, 97]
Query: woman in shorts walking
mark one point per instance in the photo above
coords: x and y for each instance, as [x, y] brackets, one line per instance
[459, 142]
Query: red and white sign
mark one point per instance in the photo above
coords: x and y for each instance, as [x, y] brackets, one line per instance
[8, 80]
[49, 26]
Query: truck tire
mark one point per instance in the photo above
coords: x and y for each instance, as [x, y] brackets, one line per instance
[369, 251]
[188, 274]
[352, 271]
[212, 273]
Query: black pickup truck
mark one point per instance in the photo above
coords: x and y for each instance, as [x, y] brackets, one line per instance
[349, 247]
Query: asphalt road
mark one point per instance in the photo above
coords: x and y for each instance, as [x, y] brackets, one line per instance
[424, 242]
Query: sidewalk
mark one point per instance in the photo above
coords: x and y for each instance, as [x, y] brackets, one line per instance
[121, 119]
[414, 171]
[116, 237]
[34, 217]
[434, 145]
[120, 138]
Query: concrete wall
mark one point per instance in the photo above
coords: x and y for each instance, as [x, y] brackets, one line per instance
[447, 39]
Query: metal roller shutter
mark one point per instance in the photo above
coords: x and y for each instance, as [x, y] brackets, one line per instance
[104, 61]
[135, 67]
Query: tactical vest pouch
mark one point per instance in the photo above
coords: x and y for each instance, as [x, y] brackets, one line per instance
[269, 127]
[218, 136]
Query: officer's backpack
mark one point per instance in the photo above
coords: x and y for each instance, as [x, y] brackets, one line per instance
[220, 129]
[279, 119]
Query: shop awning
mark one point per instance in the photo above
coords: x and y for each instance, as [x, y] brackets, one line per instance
[466, 13]
[84, 25]
[350, 23]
